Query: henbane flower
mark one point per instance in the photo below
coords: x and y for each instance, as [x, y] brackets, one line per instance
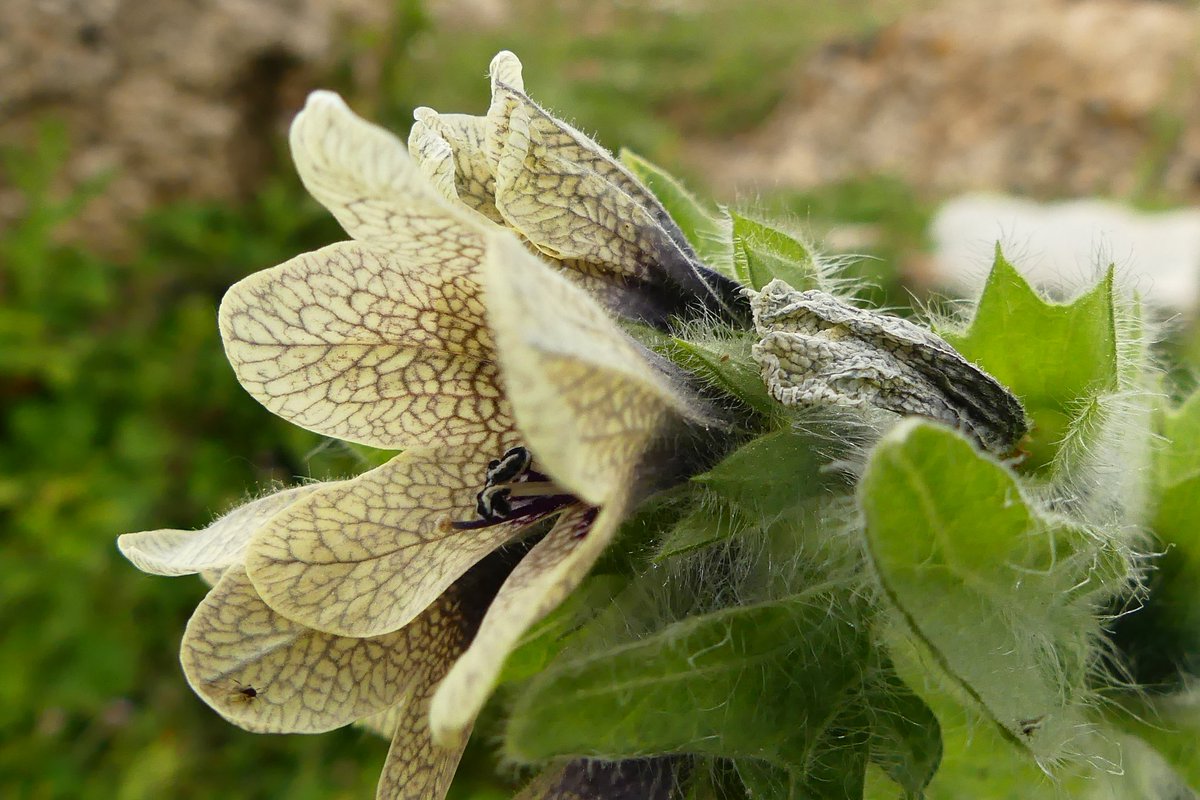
[522, 409]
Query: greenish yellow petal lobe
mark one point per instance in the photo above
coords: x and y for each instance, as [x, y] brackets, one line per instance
[505, 69]
[368, 346]
[574, 202]
[303, 681]
[454, 144]
[560, 144]
[435, 158]
[367, 556]
[564, 194]
[366, 178]
[211, 550]
[416, 768]
[383, 723]
[586, 400]
[543, 578]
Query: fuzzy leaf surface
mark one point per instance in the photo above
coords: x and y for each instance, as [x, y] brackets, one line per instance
[1169, 623]
[886, 725]
[1179, 456]
[727, 365]
[762, 253]
[1170, 726]
[544, 640]
[1053, 356]
[905, 737]
[704, 227]
[837, 775]
[750, 682]
[770, 475]
[1174, 603]
[1001, 597]
[705, 524]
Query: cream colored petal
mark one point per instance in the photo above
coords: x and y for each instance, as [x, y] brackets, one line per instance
[544, 142]
[384, 723]
[435, 158]
[456, 144]
[210, 550]
[303, 681]
[212, 576]
[571, 199]
[562, 206]
[585, 398]
[371, 347]
[416, 767]
[545, 576]
[505, 70]
[368, 555]
[366, 178]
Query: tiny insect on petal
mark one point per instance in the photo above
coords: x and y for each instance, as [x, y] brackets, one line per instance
[317, 682]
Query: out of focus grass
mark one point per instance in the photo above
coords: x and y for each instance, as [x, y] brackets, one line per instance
[121, 414]
[118, 411]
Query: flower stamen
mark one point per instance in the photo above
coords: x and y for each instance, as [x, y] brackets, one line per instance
[513, 490]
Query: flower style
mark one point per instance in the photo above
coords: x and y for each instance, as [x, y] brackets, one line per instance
[522, 410]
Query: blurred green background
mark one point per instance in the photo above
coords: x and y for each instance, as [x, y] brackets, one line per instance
[118, 412]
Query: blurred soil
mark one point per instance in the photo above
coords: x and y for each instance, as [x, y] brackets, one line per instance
[168, 99]
[1040, 97]
[1046, 97]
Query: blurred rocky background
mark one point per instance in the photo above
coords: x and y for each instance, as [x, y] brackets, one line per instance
[163, 101]
[143, 169]
[1049, 98]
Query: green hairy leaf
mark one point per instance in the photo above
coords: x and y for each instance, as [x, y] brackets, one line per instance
[703, 525]
[543, 641]
[978, 763]
[762, 253]
[887, 726]
[728, 366]
[905, 737]
[1054, 356]
[992, 588]
[1169, 728]
[758, 681]
[1179, 455]
[765, 781]
[1176, 597]
[1168, 636]
[838, 772]
[706, 229]
[750, 476]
